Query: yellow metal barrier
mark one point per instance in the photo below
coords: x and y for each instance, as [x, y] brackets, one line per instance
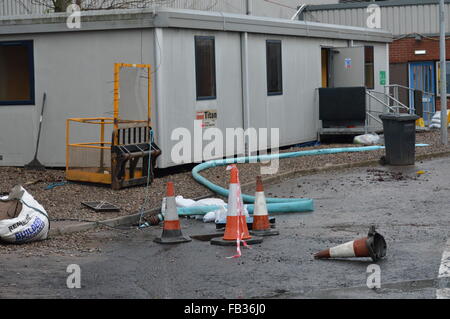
[119, 152]
[85, 162]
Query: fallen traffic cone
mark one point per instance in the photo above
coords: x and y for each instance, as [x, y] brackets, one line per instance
[172, 230]
[261, 224]
[236, 229]
[373, 246]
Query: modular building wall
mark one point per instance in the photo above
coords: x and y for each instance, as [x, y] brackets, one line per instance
[294, 113]
[75, 69]
[178, 104]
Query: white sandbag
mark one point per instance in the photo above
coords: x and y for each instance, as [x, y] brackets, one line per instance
[221, 214]
[209, 217]
[187, 202]
[436, 120]
[184, 202]
[367, 139]
[213, 202]
[215, 215]
[32, 223]
[210, 202]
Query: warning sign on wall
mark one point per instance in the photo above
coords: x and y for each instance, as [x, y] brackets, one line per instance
[348, 63]
[208, 118]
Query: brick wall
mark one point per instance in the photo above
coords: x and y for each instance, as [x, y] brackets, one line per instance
[403, 50]
[438, 104]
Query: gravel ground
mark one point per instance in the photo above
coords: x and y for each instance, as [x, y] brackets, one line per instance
[78, 244]
[64, 202]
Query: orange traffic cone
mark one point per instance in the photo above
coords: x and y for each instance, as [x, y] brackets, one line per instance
[172, 230]
[373, 246]
[261, 224]
[236, 229]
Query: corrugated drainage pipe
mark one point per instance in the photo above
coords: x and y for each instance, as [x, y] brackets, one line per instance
[274, 204]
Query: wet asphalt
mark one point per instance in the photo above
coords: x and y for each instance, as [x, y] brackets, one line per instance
[410, 210]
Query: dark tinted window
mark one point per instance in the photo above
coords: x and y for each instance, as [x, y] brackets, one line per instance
[369, 68]
[205, 67]
[16, 73]
[274, 68]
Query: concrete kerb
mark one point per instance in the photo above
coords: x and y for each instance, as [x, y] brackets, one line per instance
[134, 219]
[114, 222]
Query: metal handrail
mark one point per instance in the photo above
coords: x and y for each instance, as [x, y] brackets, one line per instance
[380, 101]
[389, 98]
[400, 104]
[427, 95]
[407, 88]
[373, 117]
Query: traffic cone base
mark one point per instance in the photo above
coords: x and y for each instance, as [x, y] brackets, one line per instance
[373, 246]
[267, 232]
[223, 242]
[230, 236]
[172, 237]
[376, 244]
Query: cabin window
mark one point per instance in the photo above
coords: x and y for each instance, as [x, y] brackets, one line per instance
[369, 67]
[16, 73]
[205, 67]
[274, 67]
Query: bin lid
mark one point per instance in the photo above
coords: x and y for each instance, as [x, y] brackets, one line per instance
[399, 117]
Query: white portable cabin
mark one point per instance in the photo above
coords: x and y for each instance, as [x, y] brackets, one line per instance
[75, 69]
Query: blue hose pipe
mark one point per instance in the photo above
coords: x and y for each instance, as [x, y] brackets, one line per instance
[274, 204]
[304, 205]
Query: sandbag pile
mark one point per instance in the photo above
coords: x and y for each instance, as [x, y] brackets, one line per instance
[22, 218]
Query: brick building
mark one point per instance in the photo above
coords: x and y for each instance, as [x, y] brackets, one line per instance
[414, 53]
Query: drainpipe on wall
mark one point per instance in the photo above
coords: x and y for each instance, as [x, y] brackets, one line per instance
[244, 77]
[249, 7]
[245, 82]
[159, 94]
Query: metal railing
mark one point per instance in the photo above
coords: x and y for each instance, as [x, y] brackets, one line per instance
[390, 99]
[383, 102]
[429, 108]
[393, 109]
